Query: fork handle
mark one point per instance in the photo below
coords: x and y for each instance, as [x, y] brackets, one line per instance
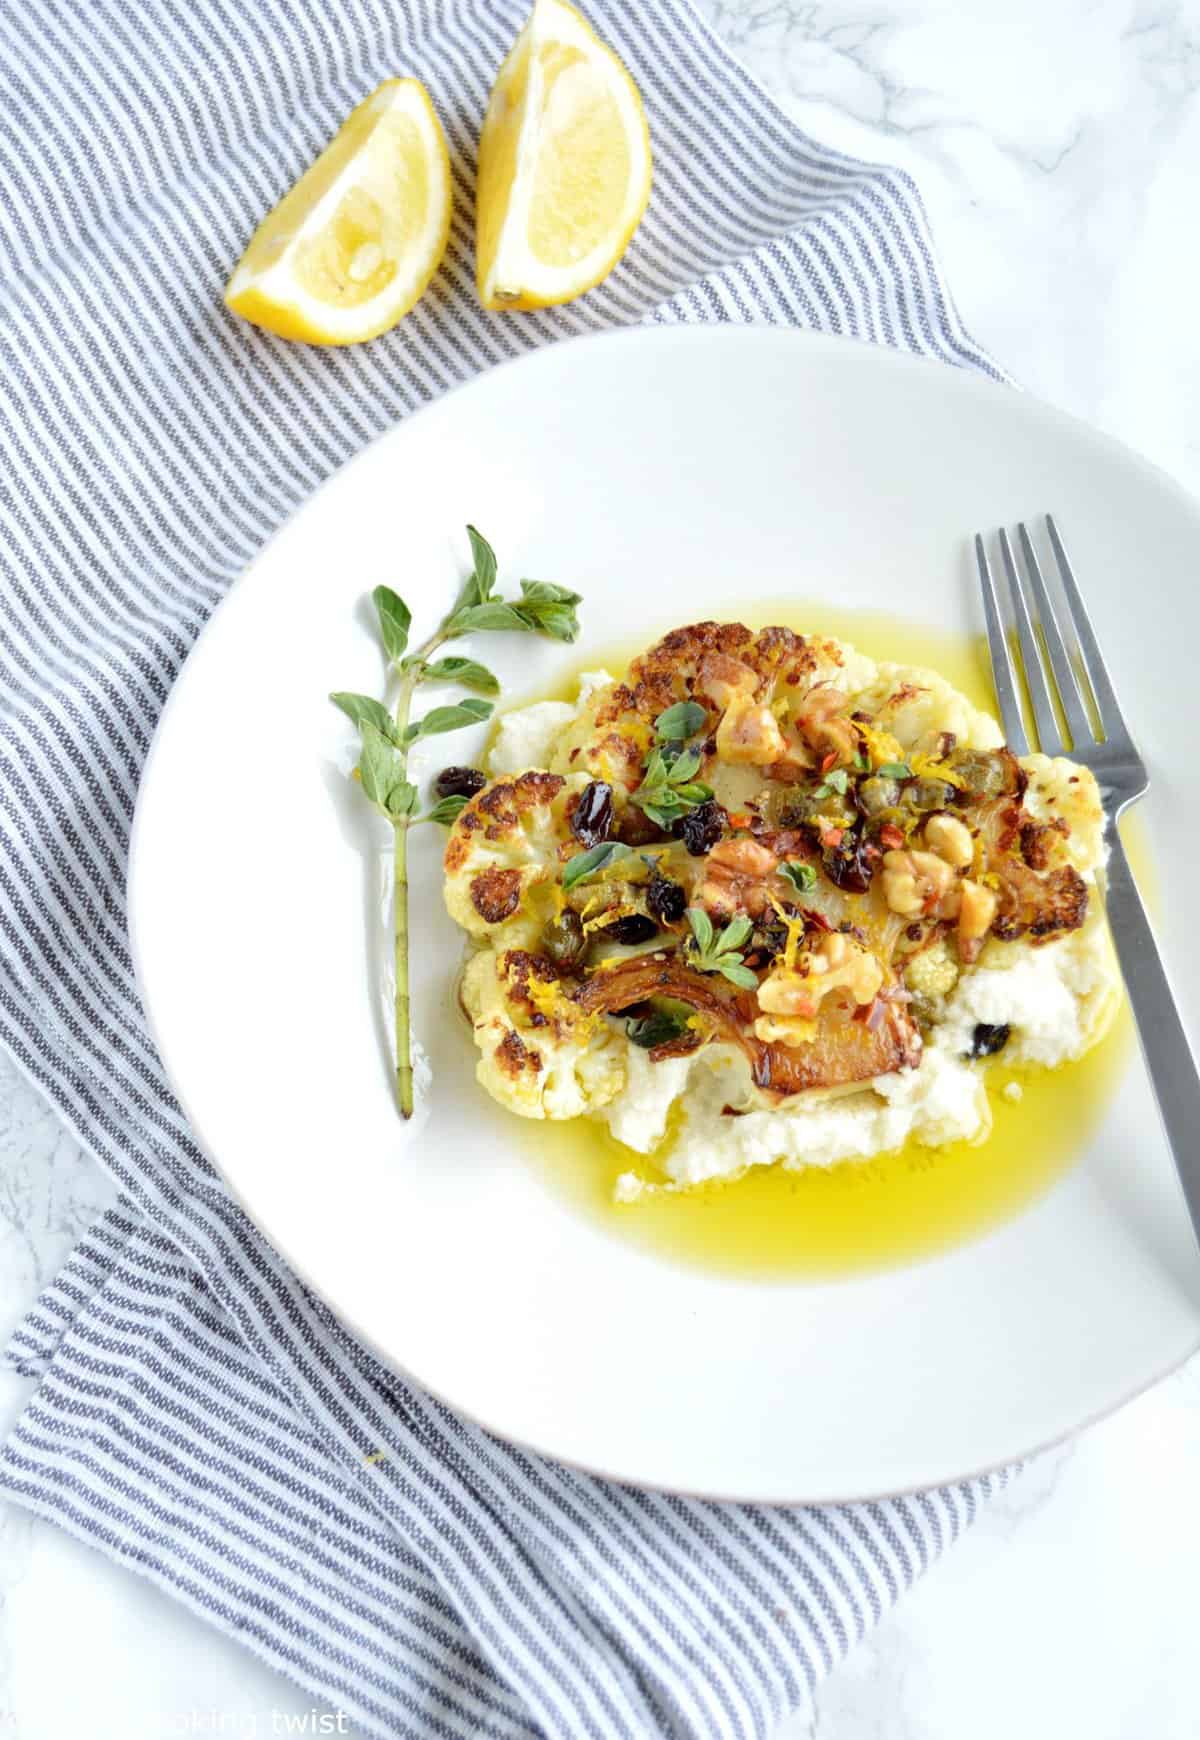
[1169, 1057]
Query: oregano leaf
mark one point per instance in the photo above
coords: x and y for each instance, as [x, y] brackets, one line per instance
[735, 934]
[542, 592]
[681, 721]
[484, 557]
[469, 672]
[801, 876]
[585, 864]
[441, 719]
[395, 620]
[702, 928]
[365, 711]
[401, 800]
[446, 809]
[492, 615]
[380, 765]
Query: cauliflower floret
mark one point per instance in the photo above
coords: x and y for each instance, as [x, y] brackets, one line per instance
[1058, 998]
[502, 853]
[561, 1069]
[608, 739]
[1061, 788]
[527, 736]
[933, 973]
[915, 704]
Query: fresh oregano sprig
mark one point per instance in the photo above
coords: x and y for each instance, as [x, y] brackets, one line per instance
[386, 736]
[722, 954]
[541, 608]
[669, 787]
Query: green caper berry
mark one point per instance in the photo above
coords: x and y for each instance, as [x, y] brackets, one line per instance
[876, 795]
[563, 939]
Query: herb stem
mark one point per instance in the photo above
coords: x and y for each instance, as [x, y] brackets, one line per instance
[385, 738]
[404, 1073]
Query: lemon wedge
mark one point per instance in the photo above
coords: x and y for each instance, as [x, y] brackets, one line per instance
[356, 241]
[564, 165]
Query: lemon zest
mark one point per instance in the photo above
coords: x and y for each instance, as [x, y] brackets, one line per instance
[881, 746]
[549, 1000]
[610, 917]
[795, 935]
[929, 767]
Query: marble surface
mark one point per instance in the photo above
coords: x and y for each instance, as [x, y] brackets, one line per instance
[1058, 149]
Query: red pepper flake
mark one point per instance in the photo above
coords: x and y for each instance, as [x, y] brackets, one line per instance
[828, 761]
[891, 836]
[831, 838]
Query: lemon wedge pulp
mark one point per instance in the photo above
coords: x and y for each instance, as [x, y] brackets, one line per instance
[354, 244]
[564, 165]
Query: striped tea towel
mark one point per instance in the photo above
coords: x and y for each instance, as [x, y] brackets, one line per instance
[200, 1415]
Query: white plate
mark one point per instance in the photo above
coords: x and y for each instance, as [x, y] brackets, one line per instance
[665, 474]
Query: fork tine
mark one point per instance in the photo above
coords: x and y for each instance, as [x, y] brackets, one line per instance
[1069, 694]
[1112, 720]
[1049, 736]
[1004, 676]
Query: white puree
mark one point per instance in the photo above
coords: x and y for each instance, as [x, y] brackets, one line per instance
[1055, 998]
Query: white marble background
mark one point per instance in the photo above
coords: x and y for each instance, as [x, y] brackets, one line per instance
[1057, 144]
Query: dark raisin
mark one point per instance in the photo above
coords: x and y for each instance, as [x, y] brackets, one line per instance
[701, 828]
[634, 928]
[666, 900]
[459, 782]
[563, 939]
[851, 864]
[987, 1041]
[592, 817]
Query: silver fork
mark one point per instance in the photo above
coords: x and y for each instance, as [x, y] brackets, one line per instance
[1121, 775]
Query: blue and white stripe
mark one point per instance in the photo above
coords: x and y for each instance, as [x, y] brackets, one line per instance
[199, 1414]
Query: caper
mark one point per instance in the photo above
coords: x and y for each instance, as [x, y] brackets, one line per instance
[876, 795]
[797, 807]
[928, 794]
[985, 774]
[563, 939]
